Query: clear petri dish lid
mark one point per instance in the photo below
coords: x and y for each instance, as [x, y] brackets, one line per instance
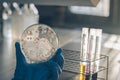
[39, 43]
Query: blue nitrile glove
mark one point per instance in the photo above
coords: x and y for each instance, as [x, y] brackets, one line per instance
[49, 70]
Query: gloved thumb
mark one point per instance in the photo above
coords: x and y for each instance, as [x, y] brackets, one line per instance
[54, 70]
[58, 58]
[20, 59]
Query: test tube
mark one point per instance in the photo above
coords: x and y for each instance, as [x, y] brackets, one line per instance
[91, 51]
[84, 44]
[83, 54]
[98, 47]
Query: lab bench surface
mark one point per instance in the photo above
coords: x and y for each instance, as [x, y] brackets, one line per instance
[70, 40]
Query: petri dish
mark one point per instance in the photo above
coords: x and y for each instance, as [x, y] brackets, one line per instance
[39, 43]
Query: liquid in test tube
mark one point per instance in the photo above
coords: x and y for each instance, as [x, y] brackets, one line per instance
[82, 72]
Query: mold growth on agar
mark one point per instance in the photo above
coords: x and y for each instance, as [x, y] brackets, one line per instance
[39, 43]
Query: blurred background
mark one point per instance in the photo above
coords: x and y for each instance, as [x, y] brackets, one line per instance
[67, 18]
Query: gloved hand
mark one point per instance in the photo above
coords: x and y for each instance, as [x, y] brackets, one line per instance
[49, 70]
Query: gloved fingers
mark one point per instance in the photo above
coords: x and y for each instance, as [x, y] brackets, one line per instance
[41, 73]
[58, 58]
[19, 55]
[58, 54]
[54, 70]
[59, 51]
[28, 73]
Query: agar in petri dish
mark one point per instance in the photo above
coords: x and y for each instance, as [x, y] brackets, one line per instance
[39, 43]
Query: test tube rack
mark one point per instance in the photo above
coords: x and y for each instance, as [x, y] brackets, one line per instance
[72, 65]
